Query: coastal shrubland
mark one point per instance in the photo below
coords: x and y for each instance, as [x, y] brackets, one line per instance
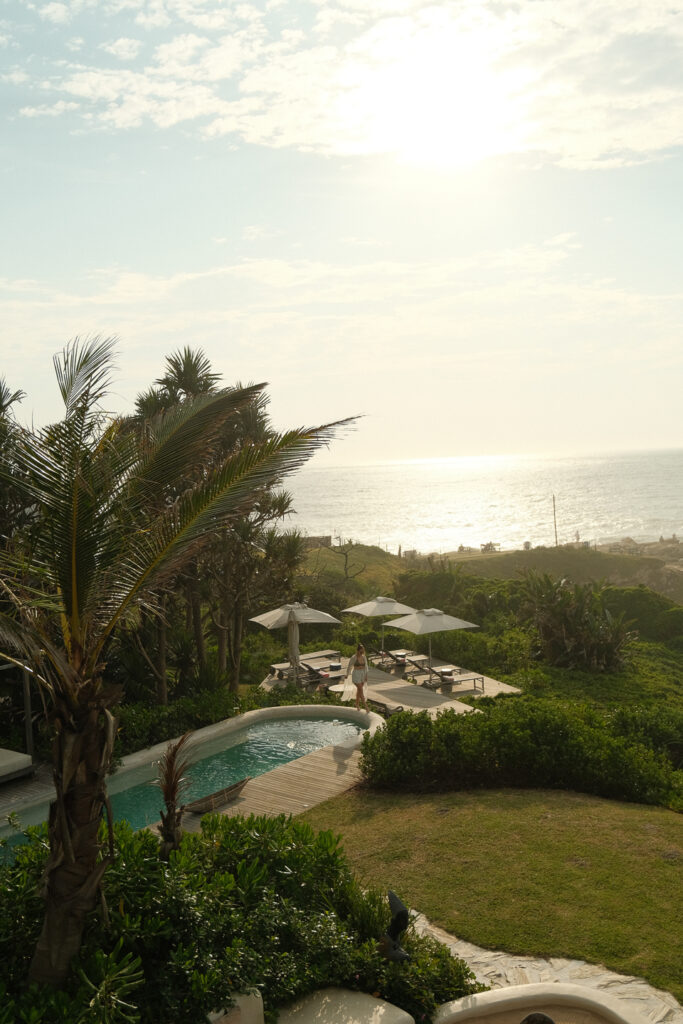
[655, 566]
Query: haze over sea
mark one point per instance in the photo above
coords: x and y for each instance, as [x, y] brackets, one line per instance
[435, 505]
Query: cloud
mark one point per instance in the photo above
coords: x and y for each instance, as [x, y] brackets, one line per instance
[14, 77]
[521, 326]
[123, 48]
[257, 233]
[443, 83]
[58, 14]
[55, 110]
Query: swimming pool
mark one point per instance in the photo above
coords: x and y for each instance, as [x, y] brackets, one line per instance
[252, 751]
[232, 745]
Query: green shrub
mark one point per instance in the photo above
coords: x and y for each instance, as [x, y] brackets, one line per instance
[144, 725]
[247, 902]
[670, 624]
[523, 742]
[660, 728]
[657, 617]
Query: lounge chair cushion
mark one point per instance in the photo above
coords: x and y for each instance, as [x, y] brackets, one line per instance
[13, 764]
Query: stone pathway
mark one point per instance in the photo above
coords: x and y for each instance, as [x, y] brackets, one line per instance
[498, 970]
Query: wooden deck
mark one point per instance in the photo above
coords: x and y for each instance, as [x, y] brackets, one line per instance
[293, 788]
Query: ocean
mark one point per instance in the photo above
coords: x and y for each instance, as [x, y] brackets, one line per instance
[436, 505]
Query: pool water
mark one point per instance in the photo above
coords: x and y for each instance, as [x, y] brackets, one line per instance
[253, 751]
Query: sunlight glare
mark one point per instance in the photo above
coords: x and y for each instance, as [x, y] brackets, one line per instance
[439, 97]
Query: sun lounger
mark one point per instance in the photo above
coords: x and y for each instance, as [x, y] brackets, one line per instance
[471, 679]
[446, 672]
[384, 709]
[446, 683]
[397, 658]
[224, 796]
[286, 666]
[14, 764]
[325, 671]
[418, 661]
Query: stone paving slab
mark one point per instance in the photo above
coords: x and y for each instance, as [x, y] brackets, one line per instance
[498, 969]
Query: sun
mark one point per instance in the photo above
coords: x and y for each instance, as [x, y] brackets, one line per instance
[443, 94]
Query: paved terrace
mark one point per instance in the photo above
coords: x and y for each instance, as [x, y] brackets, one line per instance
[394, 688]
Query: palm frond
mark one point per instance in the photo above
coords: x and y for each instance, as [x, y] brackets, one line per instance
[173, 765]
[166, 541]
[24, 643]
[183, 438]
[8, 397]
[188, 372]
[83, 372]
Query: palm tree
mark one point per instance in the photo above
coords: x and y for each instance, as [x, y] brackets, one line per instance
[188, 374]
[12, 513]
[99, 549]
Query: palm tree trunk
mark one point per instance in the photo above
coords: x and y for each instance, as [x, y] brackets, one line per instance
[196, 613]
[162, 675]
[225, 610]
[237, 627]
[81, 755]
[222, 647]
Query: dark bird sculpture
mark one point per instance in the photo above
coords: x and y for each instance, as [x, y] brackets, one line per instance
[390, 943]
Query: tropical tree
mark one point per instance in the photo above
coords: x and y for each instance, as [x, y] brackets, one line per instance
[13, 513]
[248, 564]
[100, 548]
[575, 628]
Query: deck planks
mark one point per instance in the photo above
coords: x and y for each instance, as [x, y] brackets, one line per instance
[294, 787]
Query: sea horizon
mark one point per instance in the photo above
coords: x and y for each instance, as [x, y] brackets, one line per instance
[435, 505]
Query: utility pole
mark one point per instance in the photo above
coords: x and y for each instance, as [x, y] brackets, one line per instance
[555, 519]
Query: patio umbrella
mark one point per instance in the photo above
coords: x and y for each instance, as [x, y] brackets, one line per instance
[430, 620]
[379, 606]
[290, 615]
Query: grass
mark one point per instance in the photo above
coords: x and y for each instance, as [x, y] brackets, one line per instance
[530, 872]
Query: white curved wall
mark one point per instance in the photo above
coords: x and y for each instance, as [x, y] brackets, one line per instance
[563, 1003]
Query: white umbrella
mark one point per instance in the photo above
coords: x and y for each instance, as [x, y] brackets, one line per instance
[290, 615]
[430, 620]
[379, 606]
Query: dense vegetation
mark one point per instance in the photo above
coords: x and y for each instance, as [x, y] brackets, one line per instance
[254, 902]
[530, 742]
[116, 509]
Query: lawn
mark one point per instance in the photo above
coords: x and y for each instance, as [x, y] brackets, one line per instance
[530, 872]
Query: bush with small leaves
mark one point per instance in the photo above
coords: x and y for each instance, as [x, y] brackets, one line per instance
[247, 902]
[526, 742]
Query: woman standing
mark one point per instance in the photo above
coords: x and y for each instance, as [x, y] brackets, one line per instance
[358, 668]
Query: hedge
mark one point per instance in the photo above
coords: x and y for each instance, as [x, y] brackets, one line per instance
[526, 742]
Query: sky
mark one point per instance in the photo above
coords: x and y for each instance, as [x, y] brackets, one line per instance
[460, 221]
